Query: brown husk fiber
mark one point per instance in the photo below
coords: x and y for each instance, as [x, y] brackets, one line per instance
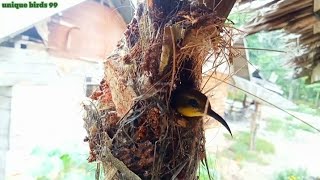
[131, 116]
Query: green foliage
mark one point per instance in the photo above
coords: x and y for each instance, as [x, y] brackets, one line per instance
[42, 178]
[265, 146]
[239, 149]
[203, 171]
[286, 126]
[289, 118]
[305, 107]
[292, 174]
[61, 164]
[305, 127]
[66, 161]
[281, 125]
[236, 95]
[276, 62]
[274, 124]
[306, 96]
[239, 18]
[268, 61]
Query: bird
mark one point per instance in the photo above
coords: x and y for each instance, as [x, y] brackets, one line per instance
[193, 103]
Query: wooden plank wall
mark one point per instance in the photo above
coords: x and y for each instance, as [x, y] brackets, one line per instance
[19, 65]
[5, 114]
[217, 96]
[39, 67]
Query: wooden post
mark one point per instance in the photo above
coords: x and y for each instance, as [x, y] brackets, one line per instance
[5, 113]
[317, 99]
[254, 126]
[316, 28]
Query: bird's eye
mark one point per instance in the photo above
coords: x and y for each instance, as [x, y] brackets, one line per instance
[194, 103]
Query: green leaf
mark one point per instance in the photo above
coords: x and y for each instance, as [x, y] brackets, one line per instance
[67, 161]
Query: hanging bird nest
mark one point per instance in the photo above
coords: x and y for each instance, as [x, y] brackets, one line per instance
[130, 123]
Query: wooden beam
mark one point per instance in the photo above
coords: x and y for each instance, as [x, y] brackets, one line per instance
[240, 62]
[316, 28]
[315, 76]
[22, 65]
[39, 67]
[223, 7]
[316, 6]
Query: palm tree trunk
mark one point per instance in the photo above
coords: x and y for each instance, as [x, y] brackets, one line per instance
[164, 47]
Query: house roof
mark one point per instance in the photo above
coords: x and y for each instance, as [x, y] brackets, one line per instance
[24, 18]
[297, 17]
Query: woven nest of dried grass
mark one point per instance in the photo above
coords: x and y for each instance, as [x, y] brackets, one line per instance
[130, 123]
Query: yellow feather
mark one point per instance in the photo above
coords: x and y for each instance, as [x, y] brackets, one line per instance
[189, 112]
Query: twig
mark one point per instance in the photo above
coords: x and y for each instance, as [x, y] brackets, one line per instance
[174, 62]
[108, 157]
[109, 170]
[259, 49]
[97, 175]
[178, 171]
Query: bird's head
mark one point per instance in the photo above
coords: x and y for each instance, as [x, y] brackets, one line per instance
[192, 103]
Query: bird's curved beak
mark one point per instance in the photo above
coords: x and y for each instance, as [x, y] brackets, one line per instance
[220, 119]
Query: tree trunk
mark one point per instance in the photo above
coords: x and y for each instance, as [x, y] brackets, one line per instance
[132, 125]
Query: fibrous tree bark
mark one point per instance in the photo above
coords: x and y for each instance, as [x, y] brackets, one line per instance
[132, 124]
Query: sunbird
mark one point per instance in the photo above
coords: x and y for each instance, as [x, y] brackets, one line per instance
[193, 103]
